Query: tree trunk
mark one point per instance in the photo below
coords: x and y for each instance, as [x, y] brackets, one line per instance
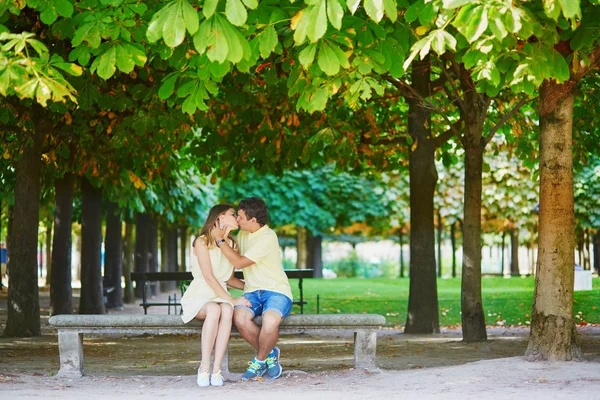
[41, 258]
[553, 334]
[439, 245]
[129, 295]
[587, 256]
[49, 251]
[514, 252]
[183, 248]
[61, 291]
[153, 252]
[580, 248]
[423, 314]
[317, 256]
[141, 248]
[474, 114]
[92, 297]
[503, 247]
[401, 241]
[164, 254]
[23, 316]
[453, 243]
[169, 261]
[301, 248]
[596, 246]
[113, 256]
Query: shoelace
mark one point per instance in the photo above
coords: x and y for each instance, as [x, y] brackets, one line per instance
[253, 366]
[271, 360]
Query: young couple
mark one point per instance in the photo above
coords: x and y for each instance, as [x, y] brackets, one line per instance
[267, 291]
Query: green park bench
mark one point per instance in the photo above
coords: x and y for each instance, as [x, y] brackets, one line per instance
[71, 329]
[144, 278]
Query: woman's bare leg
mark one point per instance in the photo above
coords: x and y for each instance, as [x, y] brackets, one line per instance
[210, 313]
[223, 334]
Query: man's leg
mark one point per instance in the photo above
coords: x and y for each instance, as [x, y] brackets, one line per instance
[244, 321]
[269, 334]
[277, 307]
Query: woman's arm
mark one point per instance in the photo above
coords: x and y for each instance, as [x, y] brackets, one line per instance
[201, 252]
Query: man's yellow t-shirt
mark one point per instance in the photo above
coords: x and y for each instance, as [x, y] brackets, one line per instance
[267, 273]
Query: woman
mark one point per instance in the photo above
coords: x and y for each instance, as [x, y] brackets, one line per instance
[207, 297]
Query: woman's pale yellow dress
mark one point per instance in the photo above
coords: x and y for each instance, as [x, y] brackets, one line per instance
[199, 292]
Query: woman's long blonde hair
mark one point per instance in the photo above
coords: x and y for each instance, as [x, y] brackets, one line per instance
[210, 224]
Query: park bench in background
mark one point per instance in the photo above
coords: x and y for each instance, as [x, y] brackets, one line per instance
[71, 329]
[143, 278]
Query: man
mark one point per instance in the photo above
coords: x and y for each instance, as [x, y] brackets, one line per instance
[266, 286]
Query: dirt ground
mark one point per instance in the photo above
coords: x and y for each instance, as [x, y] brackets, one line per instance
[437, 366]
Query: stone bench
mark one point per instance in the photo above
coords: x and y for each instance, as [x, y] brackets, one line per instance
[71, 329]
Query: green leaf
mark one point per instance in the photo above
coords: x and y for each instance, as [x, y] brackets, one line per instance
[203, 36]
[559, 67]
[173, 31]
[71, 69]
[496, 25]
[328, 60]
[317, 23]
[125, 62]
[390, 9]
[452, 4]
[570, 8]
[268, 41]
[353, 5]
[106, 65]
[63, 7]
[235, 51]
[374, 9]
[190, 16]
[335, 12]
[319, 99]
[49, 15]
[412, 13]
[167, 88]
[251, 4]
[472, 21]
[301, 27]
[236, 12]
[219, 51]
[155, 28]
[342, 57]
[307, 55]
[210, 6]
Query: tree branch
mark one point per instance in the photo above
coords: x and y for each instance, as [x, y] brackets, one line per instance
[505, 118]
[401, 85]
[454, 88]
[452, 131]
[398, 84]
[594, 58]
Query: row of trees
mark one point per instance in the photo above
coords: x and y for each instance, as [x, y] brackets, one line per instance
[244, 71]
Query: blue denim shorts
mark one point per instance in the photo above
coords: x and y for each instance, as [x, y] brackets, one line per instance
[265, 300]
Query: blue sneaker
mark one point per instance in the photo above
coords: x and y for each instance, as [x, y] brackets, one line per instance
[273, 367]
[255, 370]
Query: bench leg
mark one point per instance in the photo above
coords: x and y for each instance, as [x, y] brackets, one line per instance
[365, 347]
[70, 346]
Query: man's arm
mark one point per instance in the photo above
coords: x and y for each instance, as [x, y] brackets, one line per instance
[234, 257]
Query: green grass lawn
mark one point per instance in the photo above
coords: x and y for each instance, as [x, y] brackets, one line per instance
[505, 301]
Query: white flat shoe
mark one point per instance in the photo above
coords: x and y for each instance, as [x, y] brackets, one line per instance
[216, 379]
[203, 378]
